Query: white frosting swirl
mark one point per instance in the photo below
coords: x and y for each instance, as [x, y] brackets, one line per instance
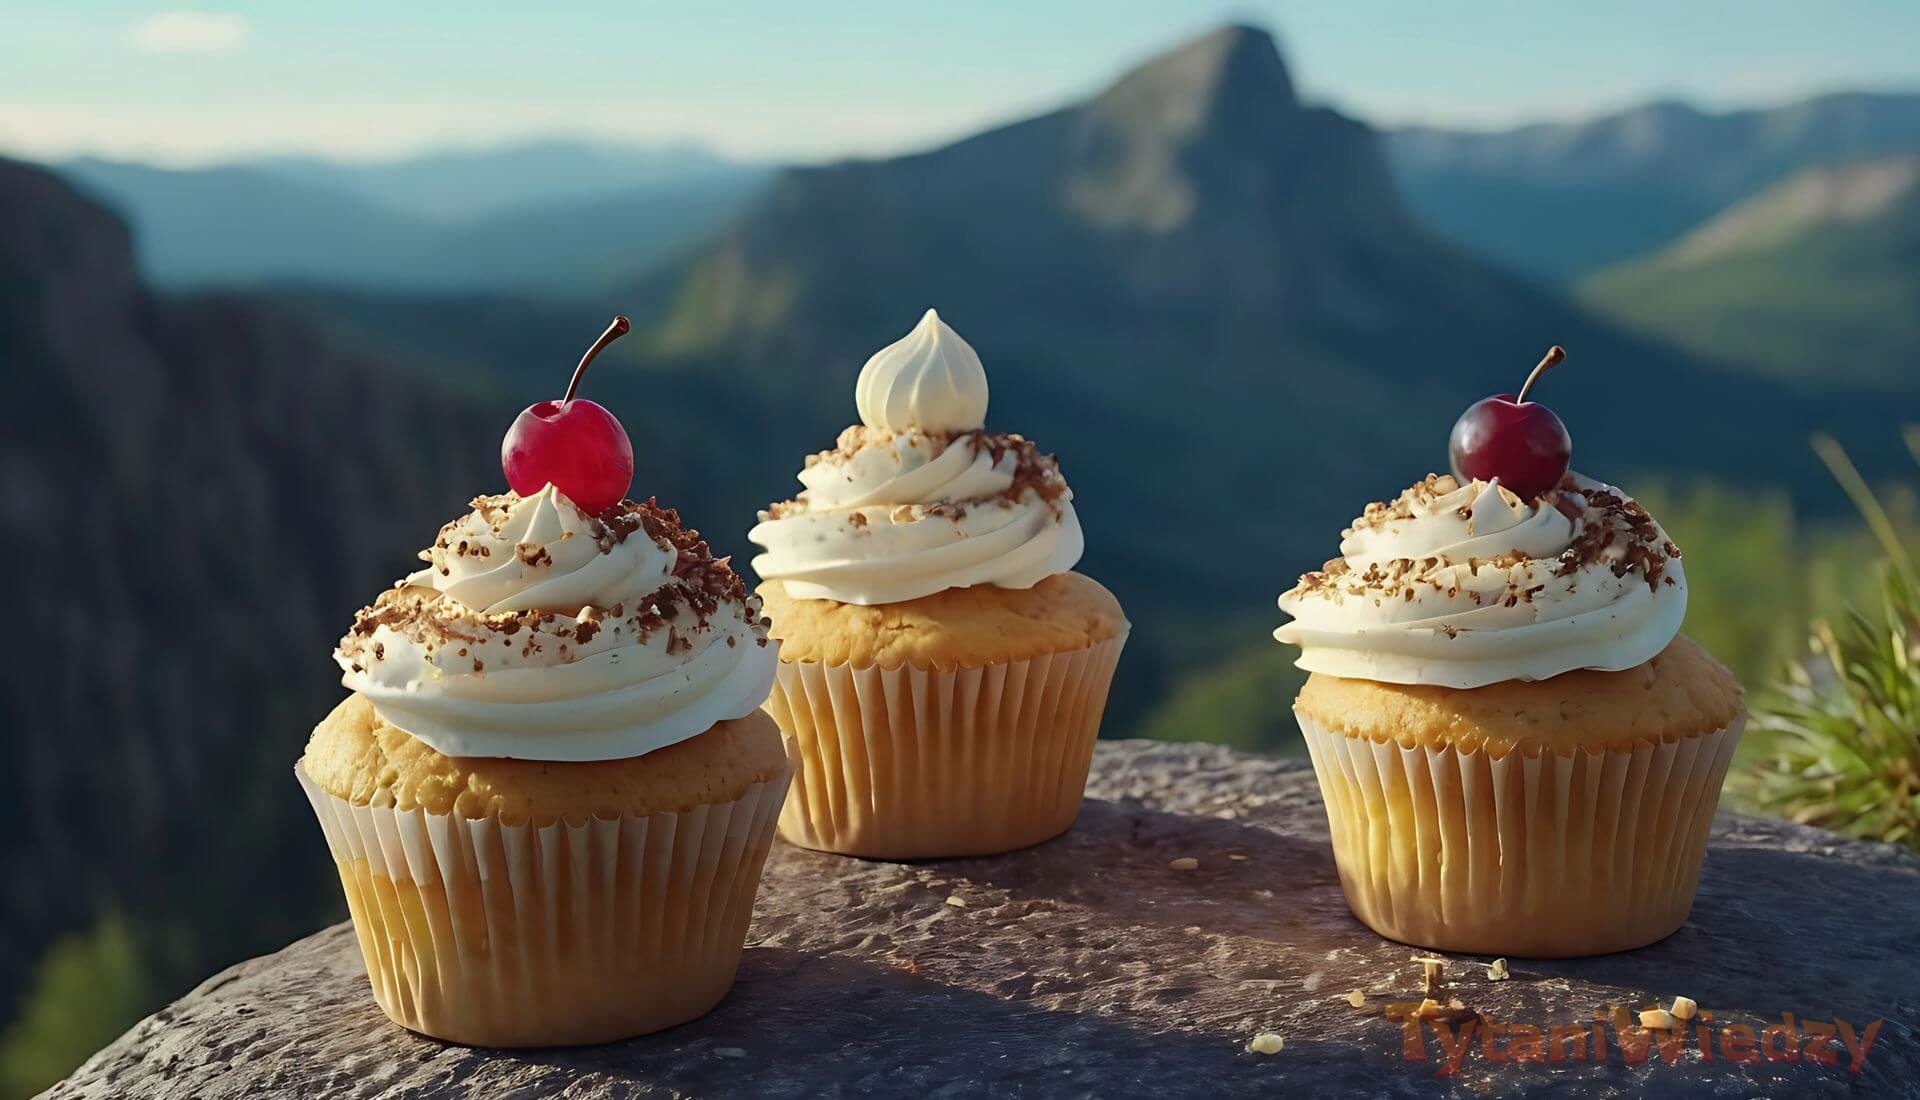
[478, 562]
[1461, 586]
[891, 517]
[930, 380]
[540, 632]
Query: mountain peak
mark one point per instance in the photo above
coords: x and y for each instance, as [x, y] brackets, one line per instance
[1213, 128]
[1196, 177]
[1233, 75]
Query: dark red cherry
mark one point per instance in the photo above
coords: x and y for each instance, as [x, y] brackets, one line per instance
[1520, 442]
[576, 446]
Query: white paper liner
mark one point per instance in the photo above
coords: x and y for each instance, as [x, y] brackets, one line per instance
[1536, 855]
[912, 763]
[491, 934]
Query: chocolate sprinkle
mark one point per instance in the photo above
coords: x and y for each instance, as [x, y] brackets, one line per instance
[1034, 472]
[1612, 531]
[702, 588]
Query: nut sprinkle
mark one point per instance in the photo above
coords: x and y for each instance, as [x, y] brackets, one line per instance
[1034, 472]
[1610, 530]
[702, 590]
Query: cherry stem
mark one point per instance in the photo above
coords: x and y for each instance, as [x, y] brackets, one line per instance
[1547, 363]
[615, 331]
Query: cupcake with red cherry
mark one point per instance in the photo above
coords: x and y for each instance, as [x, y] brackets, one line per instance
[551, 792]
[1519, 752]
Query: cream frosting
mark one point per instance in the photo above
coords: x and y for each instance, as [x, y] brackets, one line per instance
[889, 517]
[929, 380]
[1462, 585]
[540, 632]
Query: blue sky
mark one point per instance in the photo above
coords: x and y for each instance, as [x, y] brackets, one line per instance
[820, 79]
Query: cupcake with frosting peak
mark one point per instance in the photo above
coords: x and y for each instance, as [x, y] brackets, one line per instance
[943, 670]
[1519, 752]
[551, 791]
[921, 452]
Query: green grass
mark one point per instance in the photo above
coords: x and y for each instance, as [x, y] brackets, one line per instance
[1841, 729]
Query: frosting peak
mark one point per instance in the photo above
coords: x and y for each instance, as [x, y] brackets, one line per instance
[1463, 585]
[538, 631]
[930, 380]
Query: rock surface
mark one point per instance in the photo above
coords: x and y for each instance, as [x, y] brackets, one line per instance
[1092, 966]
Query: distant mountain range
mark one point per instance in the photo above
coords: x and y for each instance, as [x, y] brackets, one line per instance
[457, 184]
[1562, 200]
[548, 218]
[1816, 278]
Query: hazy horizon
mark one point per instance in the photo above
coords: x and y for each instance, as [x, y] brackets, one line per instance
[188, 87]
[693, 145]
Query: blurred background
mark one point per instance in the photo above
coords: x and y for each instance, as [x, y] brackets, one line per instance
[274, 281]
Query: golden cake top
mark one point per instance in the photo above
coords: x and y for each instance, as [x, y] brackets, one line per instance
[355, 755]
[1682, 692]
[954, 628]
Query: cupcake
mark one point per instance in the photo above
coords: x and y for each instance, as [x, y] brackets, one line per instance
[1518, 751]
[942, 670]
[551, 792]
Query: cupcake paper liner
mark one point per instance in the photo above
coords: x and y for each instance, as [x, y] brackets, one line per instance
[491, 934]
[1538, 854]
[911, 763]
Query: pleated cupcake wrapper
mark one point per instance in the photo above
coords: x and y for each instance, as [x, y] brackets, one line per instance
[1542, 854]
[493, 934]
[911, 763]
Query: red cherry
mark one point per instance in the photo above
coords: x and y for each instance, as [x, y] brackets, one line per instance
[1520, 442]
[575, 445]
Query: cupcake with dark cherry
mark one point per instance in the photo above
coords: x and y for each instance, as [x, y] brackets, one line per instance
[1519, 752]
